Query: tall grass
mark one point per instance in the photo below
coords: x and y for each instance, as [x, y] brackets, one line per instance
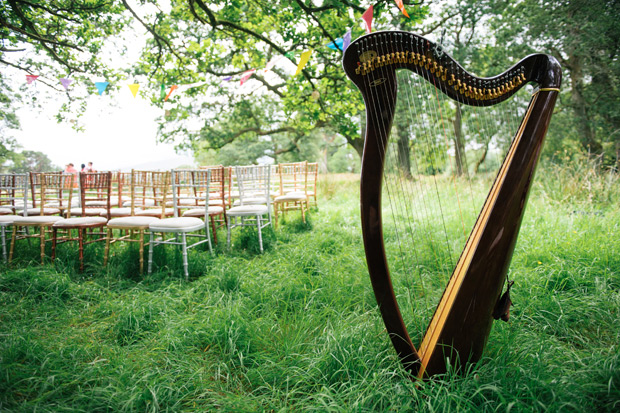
[297, 328]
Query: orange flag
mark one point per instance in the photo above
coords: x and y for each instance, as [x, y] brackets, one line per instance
[401, 6]
[172, 89]
[367, 17]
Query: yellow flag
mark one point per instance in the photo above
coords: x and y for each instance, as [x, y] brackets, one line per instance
[305, 56]
[134, 89]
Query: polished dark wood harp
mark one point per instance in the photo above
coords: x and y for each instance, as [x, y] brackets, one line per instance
[461, 322]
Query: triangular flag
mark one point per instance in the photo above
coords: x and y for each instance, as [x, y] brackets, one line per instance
[246, 75]
[162, 91]
[172, 89]
[401, 6]
[134, 89]
[305, 56]
[271, 64]
[290, 55]
[101, 87]
[31, 78]
[367, 17]
[346, 40]
[227, 79]
[65, 82]
[336, 44]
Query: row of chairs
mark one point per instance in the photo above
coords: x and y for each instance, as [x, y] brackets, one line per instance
[114, 207]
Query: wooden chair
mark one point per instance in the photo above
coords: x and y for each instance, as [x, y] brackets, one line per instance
[51, 206]
[13, 197]
[93, 213]
[313, 174]
[149, 192]
[293, 179]
[254, 200]
[219, 184]
[191, 191]
[55, 193]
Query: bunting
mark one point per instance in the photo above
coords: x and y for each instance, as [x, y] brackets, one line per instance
[101, 87]
[65, 83]
[31, 78]
[401, 6]
[162, 91]
[134, 89]
[172, 89]
[305, 56]
[367, 17]
[246, 75]
[336, 44]
[346, 40]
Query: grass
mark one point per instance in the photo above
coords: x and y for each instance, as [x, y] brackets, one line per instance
[297, 328]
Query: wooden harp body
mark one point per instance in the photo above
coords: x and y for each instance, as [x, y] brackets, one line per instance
[460, 326]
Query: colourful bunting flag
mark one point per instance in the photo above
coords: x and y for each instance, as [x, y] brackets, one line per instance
[401, 6]
[31, 78]
[134, 89]
[162, 91]
[227, 79]
[336, 44]
[367, 17]
[305, 56]
[65, 82]
[346, 40]
[246, 75]
[271, 64]
[172, 89]
[101, 87]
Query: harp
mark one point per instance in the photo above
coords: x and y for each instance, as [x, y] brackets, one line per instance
[461, 322]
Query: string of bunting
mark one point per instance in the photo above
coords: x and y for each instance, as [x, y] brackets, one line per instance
[340, 43]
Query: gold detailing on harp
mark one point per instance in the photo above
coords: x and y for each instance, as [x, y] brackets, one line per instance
[370, 61]
[549, 89]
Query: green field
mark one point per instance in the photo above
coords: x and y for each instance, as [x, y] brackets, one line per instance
[297, 328]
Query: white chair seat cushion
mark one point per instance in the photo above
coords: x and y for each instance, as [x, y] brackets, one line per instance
[140, 202]
[7, 219]
[154, 212]
[89, 212]
[120, 212]
[177, 224]
[46, 211]
[200, 212]
[113, 202]
[37, 220]
[247, 210]
[291, 197]
[6, 211]
[131, 222]
[80, 221]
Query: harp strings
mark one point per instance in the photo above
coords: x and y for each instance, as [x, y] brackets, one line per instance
[420, 251]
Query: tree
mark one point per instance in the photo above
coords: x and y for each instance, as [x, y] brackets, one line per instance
[32, 161]
[218, 40]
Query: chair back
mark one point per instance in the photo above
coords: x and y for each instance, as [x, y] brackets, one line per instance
[293, 177]
[95, 192]
[191, 190]
[254, 184]
[149, 191]
[13, 192]
[56, 191]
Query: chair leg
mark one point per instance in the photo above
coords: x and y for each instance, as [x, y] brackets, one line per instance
[208, 235]
[151, 245]
[42, 236]
[303, 212]
[142, 251]
[227, 228]
[184, 247]
[54, 241]
[106, 251]
[214, 229]
[81, 247]
[260, 237]
[3, 235]
[12, 243]
[275, 215]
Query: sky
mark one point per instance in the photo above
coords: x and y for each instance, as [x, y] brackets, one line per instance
[120, 133]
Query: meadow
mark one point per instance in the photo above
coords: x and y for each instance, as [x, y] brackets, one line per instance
[297, 327]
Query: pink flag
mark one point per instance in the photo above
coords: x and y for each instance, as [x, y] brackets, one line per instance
[401, 6]
[172, 89]
[367, 17]
[272, 63]
[246, 75]
[31, 78]
[65, 82]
